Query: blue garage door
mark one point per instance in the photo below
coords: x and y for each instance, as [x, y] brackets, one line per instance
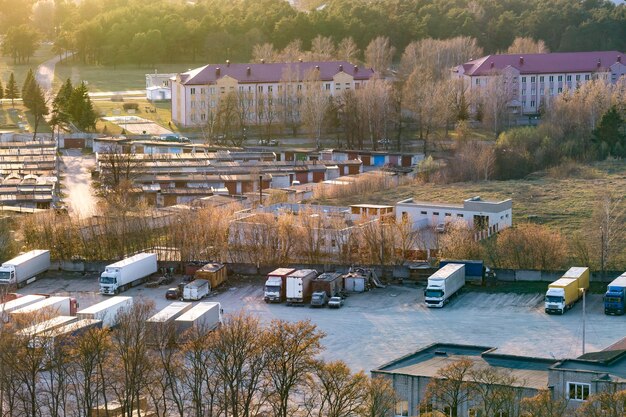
[379, 160]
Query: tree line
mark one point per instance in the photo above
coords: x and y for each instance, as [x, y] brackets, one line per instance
[242, 368]
[147, 33]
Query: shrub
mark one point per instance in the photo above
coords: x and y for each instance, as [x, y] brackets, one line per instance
[129, 106]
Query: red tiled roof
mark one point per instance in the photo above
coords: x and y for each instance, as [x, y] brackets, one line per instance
[270, 72]
[558, 62]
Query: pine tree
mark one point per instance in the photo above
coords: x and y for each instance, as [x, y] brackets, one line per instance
[38, 105]
[609, 131]
[62, 99]
[81, 109]
[27, 99]
[1, 93]
[11, 90]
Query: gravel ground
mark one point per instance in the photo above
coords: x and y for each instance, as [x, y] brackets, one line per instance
[383, 324]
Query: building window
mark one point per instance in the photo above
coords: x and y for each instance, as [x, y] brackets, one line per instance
[402, 408]
[328, 86]
[551, 78]
[435, 213]
[405, 216]
[193, 91]
[222, 90]
[532, 103]
[560, 90]
[569, 78]
[212, 104]
[423, 212]
[560, 78]
[578, 391]
[541, 78]
[577, 77]
[203, 116]
[587, 77]
[356, 86]
[260, 88]
[448, 214]
[523, 103]
[192, 104]
[212, 90]
[474, 412]
[532, 79]
[523, 79]
[333, 243]
[270, 88]
[477, 81]
[459, 215]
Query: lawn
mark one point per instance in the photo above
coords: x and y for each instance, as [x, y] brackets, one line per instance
[161, 116]
[106, 78]
[44, 53]
[566, 204]
[10, 117]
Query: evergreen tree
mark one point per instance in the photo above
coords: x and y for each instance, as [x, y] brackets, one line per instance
[11, 91]
[1, 92]
[38, 105]
[610, 131]
[80, 109]
[62, 99]
[27, 88]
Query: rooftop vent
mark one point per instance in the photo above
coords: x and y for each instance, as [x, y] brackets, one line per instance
[317, 67]
[493, 64]
[248, 71]
[228, 62]
[599, 63]
[356, 68]
[262, 61]
[441, 353]
[521, 60]
[340, 68]
[299, 59]
[218, 71]
[619, 58]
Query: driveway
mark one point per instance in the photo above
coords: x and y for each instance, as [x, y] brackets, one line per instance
[79, 194]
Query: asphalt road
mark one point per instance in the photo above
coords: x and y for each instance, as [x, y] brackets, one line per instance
[383, 324]
[79, 195]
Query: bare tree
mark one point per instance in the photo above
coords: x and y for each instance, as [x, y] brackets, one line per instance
[437, 56]
[608, 402]
[290, 98]
[379, 54]
[347, 50]
[263, 52]
[315, 104]
[292, 52]
[118, 165]
[496, 99]
[543, 405]
[375, 104]
[494, 390]
[420, 91]
[609, 217]
[341, 393]
[322, 48]
[523, 45]
[380, 398]
[450, 387]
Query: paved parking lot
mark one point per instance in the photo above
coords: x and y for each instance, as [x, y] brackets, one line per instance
[375, 327]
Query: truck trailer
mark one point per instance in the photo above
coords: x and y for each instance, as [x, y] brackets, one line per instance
[614, 300]
[276, 285]
[47, 308]
[65, 334]
[475, 270]
[46, 326]
[106, 311]
[19, 270]
[196, 290]
[325, 286]
[127, 273]
[162, 326]
[202, 317]
[18, 303]
[443, 284]
[299, 286]
[563, 293]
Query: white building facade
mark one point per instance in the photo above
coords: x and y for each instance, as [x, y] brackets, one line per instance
[485, 217]
[264, 92]
[536, 77]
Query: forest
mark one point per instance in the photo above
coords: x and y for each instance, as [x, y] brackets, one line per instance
[149, 32]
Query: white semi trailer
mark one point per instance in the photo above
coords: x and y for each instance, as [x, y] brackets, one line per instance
[203, 317]
[127, 273]
[106, 311]
[443, 284]
[19, 270]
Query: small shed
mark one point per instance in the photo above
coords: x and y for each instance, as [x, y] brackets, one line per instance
[354, 282]
[213, 272]
[158, 93]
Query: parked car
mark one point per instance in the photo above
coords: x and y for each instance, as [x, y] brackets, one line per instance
[335, 302]
[267, 142]
[172, 294]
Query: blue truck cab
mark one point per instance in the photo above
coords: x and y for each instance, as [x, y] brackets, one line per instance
[614, 298]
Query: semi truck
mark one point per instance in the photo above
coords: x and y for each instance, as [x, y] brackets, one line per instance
[444, 284]
[127, 273]
[563, 293]
[202, 317]
[48, 308]
[18, 271]
[161, 326]
[196, 290]
[299, 286]
[276, 284]
[46, 326]
[614, 298]
[106, 311]
[65, 333]
[324, 287]
[475, 270]
[18, 303]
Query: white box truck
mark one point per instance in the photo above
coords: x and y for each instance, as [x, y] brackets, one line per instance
[299, 288]
[19, 270]
[443, 284]
[127, 273]
[161, 327]
[106, 311]
[65, 334]
[49, 307]
[203, 317]
[196, 290]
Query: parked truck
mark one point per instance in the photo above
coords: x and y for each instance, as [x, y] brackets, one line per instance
[18, 303]
[213, 272]
[324, 287]
[444, 284]
[563, 293]
[18, 271]
[614, 298]
[276, 285]
[48, 307]
[299, 286]
[475, 270]
[127, 273]
[196, 290]
[65, 334]
[161, 326]
[202, 317]
[107, 310]
[46, 326]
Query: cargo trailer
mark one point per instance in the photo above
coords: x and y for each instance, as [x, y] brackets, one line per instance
[19, 270]
[444, 284]
[202, 317]
[48, 308]
[276, 285]
[563, 293]
[614, 298]
[162, 323]
[196, 290]
[299, 286]
[106, 311]
[127, 273]
[213, 272]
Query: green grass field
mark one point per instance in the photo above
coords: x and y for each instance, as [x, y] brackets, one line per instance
[106, 78]
[10, 117]
[44, 53]
[565, 204]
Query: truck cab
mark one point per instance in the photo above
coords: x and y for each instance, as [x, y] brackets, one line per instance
[555, 300]
[108, 282]
[614, 301]
[434, 294]
[319, 299]
[7, 274]
[273, 290]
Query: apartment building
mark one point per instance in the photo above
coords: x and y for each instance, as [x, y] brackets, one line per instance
[534, 78]
[265, 92]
